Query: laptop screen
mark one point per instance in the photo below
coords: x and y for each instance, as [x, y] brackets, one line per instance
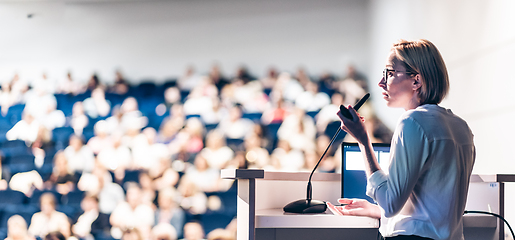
[354, 180]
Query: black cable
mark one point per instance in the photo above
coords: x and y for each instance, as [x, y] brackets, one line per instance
[496, 215]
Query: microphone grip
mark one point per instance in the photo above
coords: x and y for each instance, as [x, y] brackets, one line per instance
[346, 113]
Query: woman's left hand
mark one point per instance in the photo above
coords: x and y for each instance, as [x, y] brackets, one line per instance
[357, 207]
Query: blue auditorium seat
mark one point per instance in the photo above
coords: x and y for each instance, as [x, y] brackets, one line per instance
[73, 198]
[15, 147]
[312, 114]
[256, 117]
[64, 103]
[61, 137]
[213, 220]
[146, 88]
[131, 176]
[25, 211]
[235, 143]
[14, 113]
[9, 196]
[271, 135]
[21, 163]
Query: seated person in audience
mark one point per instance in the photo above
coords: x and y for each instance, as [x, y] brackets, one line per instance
[69, 86]
[8, 97]
[200, 98]
[189, 79]
[164, 175]
[120, 86]
[92, 223]
[80, 157]
[26, 182]
[257, 156]
[190, 137]
[168, 211]
[172, 95]
[233, 125]
[100, 183]
[351, 89]
[193, 231]
[163, 231]
[299, 130]
[97, 105]
[216, 77]
[131, 116]
[38, 100]
[93, 82]
[169, 129]
[312, 99]
[132, 213]
[276, 112]
[148, 190]
[216, 151]
[49, 220]
[52, 118]
[326, 114]
[192, 199]
[132, 234]
[78, 121]
[17, 229]
[61, 178]
[269, 80]
[102, 138]
[215, 114]
[287, 87]
[202, 175]
[116, 158]
[146, 152]
[285, 158]
[250, 95]
[26, 129]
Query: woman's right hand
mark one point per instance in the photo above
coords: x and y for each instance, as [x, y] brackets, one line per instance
[355, 127]
[358, 207]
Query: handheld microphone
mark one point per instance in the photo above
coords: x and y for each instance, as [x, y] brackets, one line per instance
[316, 206]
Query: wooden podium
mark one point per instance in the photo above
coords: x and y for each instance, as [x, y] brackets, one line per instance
[263, 194]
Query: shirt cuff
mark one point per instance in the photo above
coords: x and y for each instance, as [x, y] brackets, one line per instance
[376, 180]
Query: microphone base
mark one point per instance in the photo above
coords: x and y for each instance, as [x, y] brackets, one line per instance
[305, 206]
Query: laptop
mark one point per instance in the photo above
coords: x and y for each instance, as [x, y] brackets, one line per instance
[354, 180]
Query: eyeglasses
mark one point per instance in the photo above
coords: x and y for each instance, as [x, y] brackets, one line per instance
[387, 72]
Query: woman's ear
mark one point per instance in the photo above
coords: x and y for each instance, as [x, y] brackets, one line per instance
[417, 82]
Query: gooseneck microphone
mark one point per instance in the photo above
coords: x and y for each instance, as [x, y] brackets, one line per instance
[316, 206]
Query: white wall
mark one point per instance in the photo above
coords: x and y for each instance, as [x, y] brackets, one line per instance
[158, 39]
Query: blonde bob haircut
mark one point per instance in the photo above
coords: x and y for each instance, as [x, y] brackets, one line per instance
[422, 57]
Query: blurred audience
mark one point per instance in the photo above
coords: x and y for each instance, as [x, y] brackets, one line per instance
[92, 223]
[132, 213]
[173, 150]
[17, 229]
[49, 220]
[193, 231]
[168, 210]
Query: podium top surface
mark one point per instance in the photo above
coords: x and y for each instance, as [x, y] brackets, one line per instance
[280, 176]
[303, 176]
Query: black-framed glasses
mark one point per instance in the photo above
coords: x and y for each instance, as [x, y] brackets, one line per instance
[387, 71]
